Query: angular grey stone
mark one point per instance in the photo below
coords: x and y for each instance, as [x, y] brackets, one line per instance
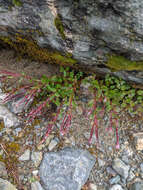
[25, 156]
[53, 144]
[121, 168]
[5, 185]
[114, 180]
[116, 187]
[137, 186]
[67, 169]
[9, 118]
[141, 166]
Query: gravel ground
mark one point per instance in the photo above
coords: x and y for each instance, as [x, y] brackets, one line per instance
[21, 153]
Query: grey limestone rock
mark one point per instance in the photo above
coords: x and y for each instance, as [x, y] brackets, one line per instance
[92, 30]
[67, 169]
[121, 168]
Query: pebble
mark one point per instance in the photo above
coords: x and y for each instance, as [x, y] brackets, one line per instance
[138, 141]
[101, 162]
[48, 140]
[25, 156]
[141, 166]
[53, 144]
[116, 187]
[121, 168]
[3, 172]
[36, 186]
[35, 172]
[5, 185]
[92, 186]
[36, 157]
[114, 180]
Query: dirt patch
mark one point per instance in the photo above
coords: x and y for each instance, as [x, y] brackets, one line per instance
[11, 62]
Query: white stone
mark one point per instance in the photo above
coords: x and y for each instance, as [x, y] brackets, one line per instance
[36, 186]
[35, 172]
[92, 186]
[25, 156]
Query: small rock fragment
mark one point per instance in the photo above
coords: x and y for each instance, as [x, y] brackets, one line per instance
[114, 180]
[5, 185]
[92, 186]
[53, 144]
[25, 156]
[9, 118]
[36, 186]
[36, 157]
[121, 168]
[138, 140]
[35, 172]
[101, 162]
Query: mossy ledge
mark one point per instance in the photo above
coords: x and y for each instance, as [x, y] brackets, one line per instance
[119, 63]
[25, 46]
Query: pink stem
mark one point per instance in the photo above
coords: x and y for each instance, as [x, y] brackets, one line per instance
[117, 136]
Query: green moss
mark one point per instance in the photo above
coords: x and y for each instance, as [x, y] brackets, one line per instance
[17, 3]
[59, 25]
[13, 147]
[28, 47]
[118, 63]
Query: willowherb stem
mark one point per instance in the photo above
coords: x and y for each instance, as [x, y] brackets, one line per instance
[95, 125]
[51, 125]
[37, 110]
[66, 123]
[117, 135]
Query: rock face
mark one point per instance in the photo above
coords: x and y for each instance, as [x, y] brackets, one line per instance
[67, 169]
[102, 36]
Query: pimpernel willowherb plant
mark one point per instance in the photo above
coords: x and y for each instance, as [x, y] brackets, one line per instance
[110, 94]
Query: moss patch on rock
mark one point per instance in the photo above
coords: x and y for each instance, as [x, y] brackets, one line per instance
[25, 46]
[59, 25]
[118, 63]
[17, 3]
